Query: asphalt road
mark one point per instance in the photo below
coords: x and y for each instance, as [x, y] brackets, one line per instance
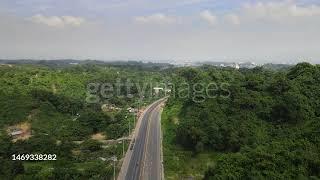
[145, 161]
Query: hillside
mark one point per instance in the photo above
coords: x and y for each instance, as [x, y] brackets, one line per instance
[247, 124]
[70, 111]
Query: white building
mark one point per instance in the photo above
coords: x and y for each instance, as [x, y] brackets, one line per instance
[157, 90]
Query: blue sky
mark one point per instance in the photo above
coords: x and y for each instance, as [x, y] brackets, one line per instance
[258, 30]
[125, 7]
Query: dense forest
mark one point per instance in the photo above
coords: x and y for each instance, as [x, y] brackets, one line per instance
[254, 124]
[218, 123]
[50, 101]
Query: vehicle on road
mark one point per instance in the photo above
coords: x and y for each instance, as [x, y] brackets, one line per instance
[132, 144]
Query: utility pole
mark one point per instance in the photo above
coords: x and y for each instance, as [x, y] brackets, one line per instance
[114, 159]
[114, 170]
[129, 125]
[139, 104]
[123, 147]
[129, 128]
[134, 119]
[122, 141]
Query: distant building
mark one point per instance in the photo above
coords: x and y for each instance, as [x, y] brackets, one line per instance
[102, 158]
[131, 110]
[157, 90]
[8, 65]
[16, 133]
[110, 107]
[248, 65]
[236, 66]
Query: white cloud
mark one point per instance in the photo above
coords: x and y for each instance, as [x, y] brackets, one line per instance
[280, 10]
[295, 35]
[233, 19]
[157, 18]
[209, 17]
[57, 21]
[74, 21]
